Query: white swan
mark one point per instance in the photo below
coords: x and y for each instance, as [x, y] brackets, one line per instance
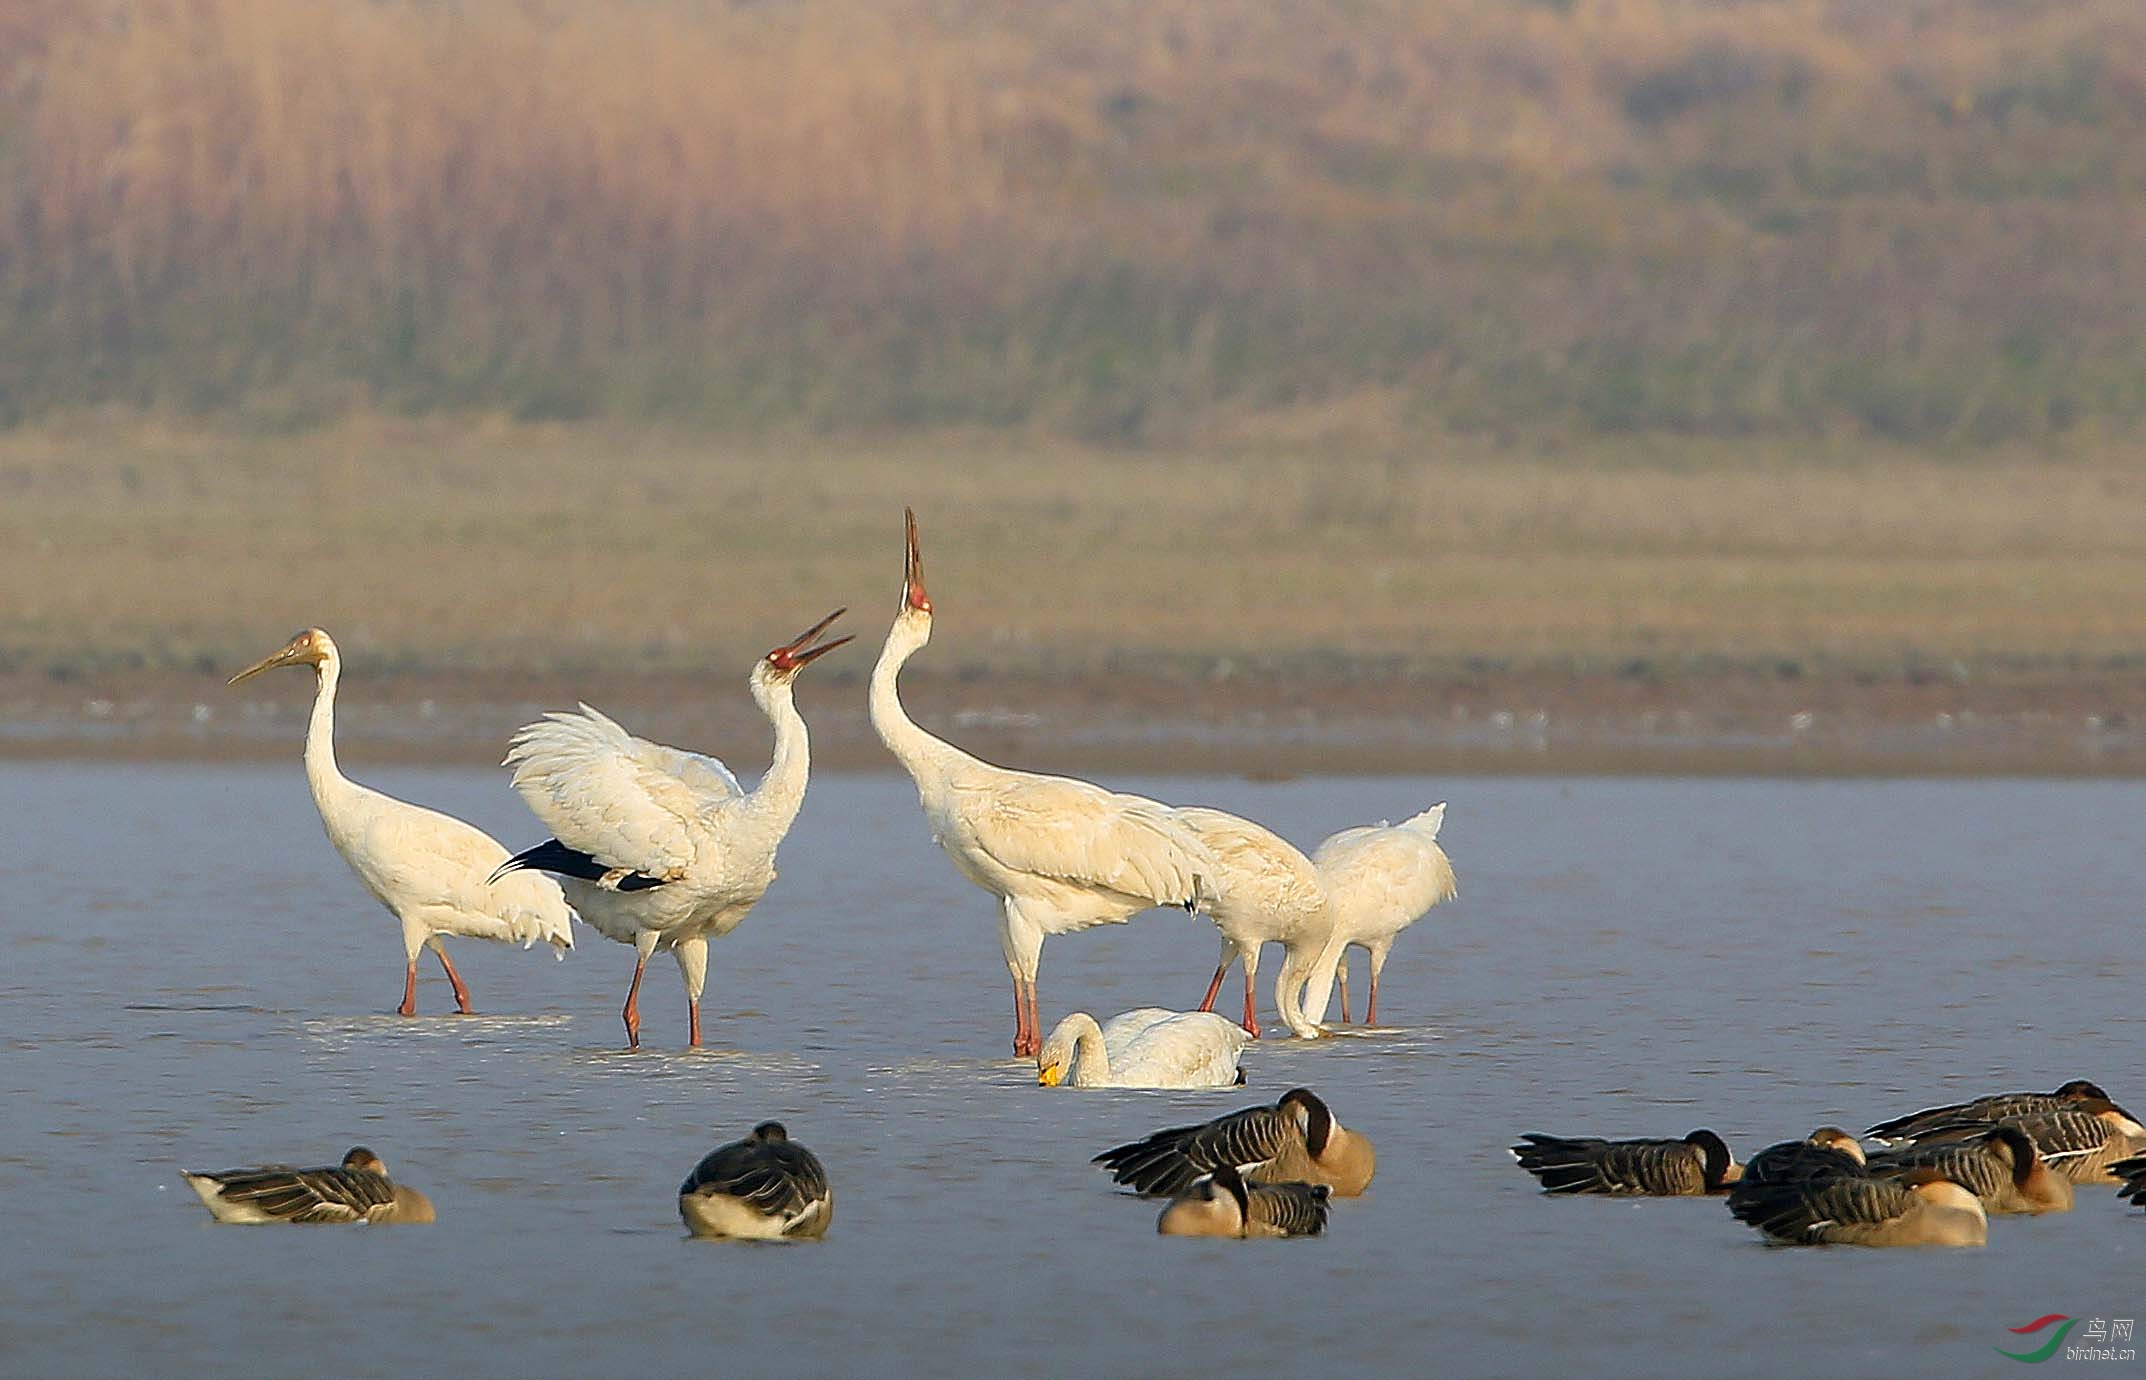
[1146, 1048]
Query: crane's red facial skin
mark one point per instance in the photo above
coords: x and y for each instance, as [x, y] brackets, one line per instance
[794, 655]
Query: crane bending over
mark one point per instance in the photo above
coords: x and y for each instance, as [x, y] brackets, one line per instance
[1380, 879]
[1269, 891]
[430, 870]
[1060, 854]
[660, 848]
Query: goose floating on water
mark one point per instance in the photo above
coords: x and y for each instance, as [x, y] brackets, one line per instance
[1296, 1139]
[765, 1187]
[1699, 1163]
[2080, 1142]
[1146, 1048]
[1825, 1152]
[1920, 1208]
[357, 1190]
[2000, 1166]
[1223, 1204]
[2074, 1095]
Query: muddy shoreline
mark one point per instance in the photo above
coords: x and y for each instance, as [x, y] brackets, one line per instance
[2049, 725]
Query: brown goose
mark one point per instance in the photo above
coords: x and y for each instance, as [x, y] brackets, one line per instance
[765, 1187]
[1824, 1153]
[2000, 1166]
[2080, 1143]
[2131, 1174]
[2075, 1095]
[1921, 1208]
[1295, 1140]
[357, 1190]
[1223, 1204]
[1699, 1163]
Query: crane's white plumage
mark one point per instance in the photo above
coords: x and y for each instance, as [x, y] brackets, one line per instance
[430, 870]
[1268, 891]
[617, 796]
[1379, 879]
[1147, 1048]
[1060, 854]
[657, 847]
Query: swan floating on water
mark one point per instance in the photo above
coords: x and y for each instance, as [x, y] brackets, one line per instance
[1145, 1048]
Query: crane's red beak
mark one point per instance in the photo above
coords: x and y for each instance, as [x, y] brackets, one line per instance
[913, 595]
[796, 654]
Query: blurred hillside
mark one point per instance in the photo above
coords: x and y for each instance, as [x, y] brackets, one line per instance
[1153, 221]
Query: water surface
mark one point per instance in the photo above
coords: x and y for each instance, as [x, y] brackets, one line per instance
[194, 980]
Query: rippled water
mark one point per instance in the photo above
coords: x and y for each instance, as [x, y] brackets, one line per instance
[193, 980]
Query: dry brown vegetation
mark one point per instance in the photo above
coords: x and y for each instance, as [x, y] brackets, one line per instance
[547, 548]
[1166, 221]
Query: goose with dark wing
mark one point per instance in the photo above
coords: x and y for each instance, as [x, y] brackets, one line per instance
[1699, 1163]
[2078, 1093]
[765, 1187]
[2000, 1166]
[357, 1190]
[2131, 1176]
[1920, 1208]
[1824, 1153]
[1296, 1139]
[2080, 1142]
[1223, 1204]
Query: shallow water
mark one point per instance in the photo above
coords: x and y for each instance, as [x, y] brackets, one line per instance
[195, 981]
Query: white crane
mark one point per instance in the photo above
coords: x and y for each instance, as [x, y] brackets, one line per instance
[1380, 879]
[1268, 891]
[1060, 854]
[431, 871]
[660, 848]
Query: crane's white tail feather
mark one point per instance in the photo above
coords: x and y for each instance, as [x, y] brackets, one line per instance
[535, 910]
[1429, 822]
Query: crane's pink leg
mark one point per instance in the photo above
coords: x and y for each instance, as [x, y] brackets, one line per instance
[1035, 1024]
[461, 992]
[1020, 1022]
[1251, 1007]
[409, 991]
[1341, 980]
[1371, 1010]
[1214, 989]
[693, 1022]
[632, 1013]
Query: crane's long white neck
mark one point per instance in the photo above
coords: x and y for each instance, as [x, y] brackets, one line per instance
[322, 774]
[775, 801]
[923, 756]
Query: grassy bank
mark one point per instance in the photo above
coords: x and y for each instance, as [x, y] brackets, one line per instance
[550, 548]
[1167, 222]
